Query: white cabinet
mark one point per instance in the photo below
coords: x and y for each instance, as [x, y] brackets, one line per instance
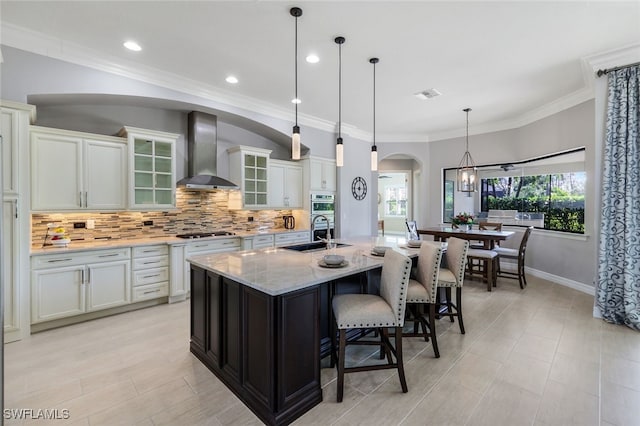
[257, 242]
[14, 236]
[322, 174]
[250, 167]
[285, 184]
[180, 284]
[289, 238]
[68, 284]
[152, 165]
[77, 171]
[150, 272]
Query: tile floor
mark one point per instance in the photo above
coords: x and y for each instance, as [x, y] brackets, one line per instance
[532, 357]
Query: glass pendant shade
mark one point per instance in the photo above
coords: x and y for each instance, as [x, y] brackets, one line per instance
[374, 158]
[339, 153]
[467, 171]
[295, 143]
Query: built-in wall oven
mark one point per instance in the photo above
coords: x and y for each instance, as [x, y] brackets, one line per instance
[322, 216]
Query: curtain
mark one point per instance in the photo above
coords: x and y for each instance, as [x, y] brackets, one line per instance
[618, 286]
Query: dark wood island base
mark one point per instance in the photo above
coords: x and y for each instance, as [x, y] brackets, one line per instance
[265, 348]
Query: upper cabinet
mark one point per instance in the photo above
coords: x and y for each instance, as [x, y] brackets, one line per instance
[76, 171]
[322, 174]
[250, 166]
[15, 119]
[285, 184]
[152, 168]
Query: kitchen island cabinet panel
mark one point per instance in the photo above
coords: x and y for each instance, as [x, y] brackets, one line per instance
[260, 343]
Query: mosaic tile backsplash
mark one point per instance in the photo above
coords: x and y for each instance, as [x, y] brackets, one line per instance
[196, 212]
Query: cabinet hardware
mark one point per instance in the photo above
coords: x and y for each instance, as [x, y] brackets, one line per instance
[202, 245]
[16, 203]
[80, 193]
[149, 251]
[150, 263]
[58, 260]
[81, 276]
[86, 202]
[109, 255]
[151, 291]
[151, 276]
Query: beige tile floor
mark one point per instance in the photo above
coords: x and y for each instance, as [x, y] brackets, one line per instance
[532, 357]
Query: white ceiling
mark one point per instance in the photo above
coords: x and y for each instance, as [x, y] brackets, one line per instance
[506, 60]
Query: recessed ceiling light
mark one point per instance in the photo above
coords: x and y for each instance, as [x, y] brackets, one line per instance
[427, 94]
[296, 101]
[132, 45]
[231, 79]
[313, 59]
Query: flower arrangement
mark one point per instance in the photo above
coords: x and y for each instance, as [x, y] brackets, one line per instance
[462, 219]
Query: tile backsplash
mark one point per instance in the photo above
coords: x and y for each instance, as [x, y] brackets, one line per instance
[195, 212]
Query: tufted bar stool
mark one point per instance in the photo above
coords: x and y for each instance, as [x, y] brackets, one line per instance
[422, 294]
[453, 276]
[362, 311]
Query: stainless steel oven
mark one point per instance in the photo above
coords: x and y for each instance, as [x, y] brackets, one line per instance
[322, 216]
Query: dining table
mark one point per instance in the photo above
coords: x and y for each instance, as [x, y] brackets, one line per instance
[489, 238]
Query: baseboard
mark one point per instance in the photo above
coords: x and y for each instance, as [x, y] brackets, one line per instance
[585, 288]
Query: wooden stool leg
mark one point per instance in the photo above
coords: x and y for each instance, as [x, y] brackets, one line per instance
[489, 273]
[403, 381]
[459, 305]
[432, 329]
[449, 309]
[342, 343]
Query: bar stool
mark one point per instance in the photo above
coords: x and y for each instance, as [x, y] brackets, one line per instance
[362, 311]
[422, 294]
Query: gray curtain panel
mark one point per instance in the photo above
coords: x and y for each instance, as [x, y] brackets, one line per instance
[618, 286]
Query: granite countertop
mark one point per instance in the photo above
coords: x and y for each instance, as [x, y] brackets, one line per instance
[277, 270]
[99, 244]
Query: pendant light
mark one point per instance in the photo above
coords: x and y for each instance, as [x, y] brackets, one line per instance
[339, 145]
[467, 171]
[295, 137]
[374, 148]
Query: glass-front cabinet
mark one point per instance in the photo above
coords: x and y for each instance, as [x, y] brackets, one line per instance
[249, 166]
[152, 171]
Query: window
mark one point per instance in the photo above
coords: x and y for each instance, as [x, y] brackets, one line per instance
[395, 199]
[546, 192]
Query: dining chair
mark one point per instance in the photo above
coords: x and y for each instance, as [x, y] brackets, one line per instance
[422, 295]
[453, 277]
[484, 263]
[486, 226]
[518, 255]
[365, 311]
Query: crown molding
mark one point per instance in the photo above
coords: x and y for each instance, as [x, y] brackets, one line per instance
[42, 44]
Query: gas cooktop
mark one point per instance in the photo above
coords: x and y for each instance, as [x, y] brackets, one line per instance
[194, 235]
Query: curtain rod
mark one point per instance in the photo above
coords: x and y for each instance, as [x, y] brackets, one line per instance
[600, 73]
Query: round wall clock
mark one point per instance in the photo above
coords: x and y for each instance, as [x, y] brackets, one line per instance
[359, 188]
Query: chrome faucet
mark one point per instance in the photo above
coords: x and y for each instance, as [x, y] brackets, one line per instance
[313, 228]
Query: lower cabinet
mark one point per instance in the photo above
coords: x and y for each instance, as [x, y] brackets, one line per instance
[179, 285]
[265, 348]
[64, 285]
[288, 238]
[150, 272]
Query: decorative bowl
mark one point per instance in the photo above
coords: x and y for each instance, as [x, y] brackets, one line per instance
[61, 241]
[379, 249]
[414, 243]
[333, 259]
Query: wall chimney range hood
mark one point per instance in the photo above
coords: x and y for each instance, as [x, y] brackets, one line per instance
[202, 147]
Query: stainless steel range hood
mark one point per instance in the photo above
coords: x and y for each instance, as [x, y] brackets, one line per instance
[202, 147]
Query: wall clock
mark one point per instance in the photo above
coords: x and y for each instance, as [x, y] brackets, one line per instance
[359, 188]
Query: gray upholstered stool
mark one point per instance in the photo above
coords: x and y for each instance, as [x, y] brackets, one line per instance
[422, 294]
[487, 265]
[453, 277]
[371, 311]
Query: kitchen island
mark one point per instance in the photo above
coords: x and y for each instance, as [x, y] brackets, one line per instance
[257, 320]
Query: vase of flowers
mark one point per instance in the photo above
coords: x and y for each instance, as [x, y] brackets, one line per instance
[463, 220]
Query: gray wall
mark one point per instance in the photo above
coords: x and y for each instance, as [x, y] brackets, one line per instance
[25, 74]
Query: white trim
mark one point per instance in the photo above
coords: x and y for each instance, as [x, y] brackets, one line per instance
[576, 285]
[42, 44]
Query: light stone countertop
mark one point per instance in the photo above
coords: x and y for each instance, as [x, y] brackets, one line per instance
[276, 270]
[83, 245]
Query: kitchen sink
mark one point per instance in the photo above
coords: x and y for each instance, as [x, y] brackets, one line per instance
[315, 246]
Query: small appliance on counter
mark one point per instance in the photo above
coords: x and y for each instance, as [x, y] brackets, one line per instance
[289, 222]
